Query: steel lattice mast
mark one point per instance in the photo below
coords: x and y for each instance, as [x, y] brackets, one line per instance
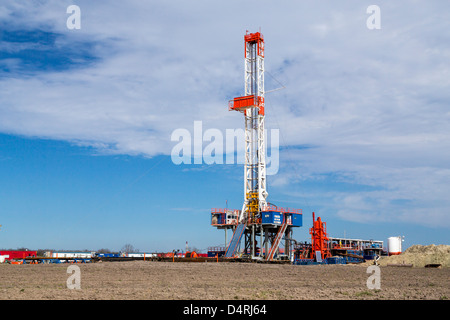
[252, 105]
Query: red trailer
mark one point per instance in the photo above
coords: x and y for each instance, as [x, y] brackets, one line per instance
[17, 254]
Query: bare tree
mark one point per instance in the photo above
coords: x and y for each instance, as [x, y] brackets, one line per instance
[129, 248]
[103, 250]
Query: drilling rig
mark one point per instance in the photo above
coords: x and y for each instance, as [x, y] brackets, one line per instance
[257, 218]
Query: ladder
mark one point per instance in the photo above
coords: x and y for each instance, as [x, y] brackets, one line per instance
[277, 241]
[235, 240]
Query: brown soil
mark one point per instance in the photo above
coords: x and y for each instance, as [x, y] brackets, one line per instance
[220, 280]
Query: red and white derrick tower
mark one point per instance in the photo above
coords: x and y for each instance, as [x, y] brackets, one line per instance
[257, 217]
[252, 106]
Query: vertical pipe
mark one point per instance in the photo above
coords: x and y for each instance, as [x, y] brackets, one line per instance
[261, 241]
[226, 229]
[266, 233]
[253, 240]
[286, 242]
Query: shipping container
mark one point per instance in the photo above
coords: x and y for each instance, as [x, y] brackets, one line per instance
[108, 255]
[17, 254]
[272, 217]
[140, 255]
[62, 255]
[295, 219]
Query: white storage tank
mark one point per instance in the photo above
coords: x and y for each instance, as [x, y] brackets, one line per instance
[395, 245]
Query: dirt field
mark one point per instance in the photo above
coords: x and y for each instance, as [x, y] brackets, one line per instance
[220, 280]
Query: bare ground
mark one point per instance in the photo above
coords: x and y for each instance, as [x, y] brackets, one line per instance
[220, 280]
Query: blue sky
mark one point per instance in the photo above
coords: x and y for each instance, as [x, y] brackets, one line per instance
[86, 118]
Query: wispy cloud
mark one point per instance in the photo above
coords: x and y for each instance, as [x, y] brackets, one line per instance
[370, 104]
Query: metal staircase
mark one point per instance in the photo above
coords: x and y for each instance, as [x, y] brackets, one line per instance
[235, 240]
[277, 241]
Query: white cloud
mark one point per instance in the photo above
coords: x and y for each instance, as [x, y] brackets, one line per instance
[372, 104]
